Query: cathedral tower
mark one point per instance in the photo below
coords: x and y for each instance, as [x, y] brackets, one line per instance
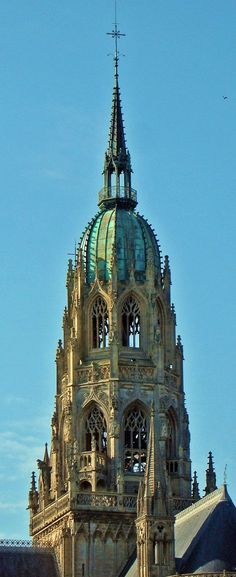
[119, 357]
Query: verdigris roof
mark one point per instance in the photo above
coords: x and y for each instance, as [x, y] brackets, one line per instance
[206, 535]
[27, 562]
[124, 235]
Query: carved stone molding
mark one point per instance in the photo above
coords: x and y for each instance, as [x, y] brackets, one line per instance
[136, 373]
[114, 429]
[96, 394]
[94, 373]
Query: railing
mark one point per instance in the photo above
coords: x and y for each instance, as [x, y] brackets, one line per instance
[91, 460]
[110, 501]
[51, 512]
[15, 543]
[180, 503]
[23, 543]
[117, 191]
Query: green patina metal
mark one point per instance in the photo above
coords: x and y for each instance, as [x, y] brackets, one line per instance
[125, 234]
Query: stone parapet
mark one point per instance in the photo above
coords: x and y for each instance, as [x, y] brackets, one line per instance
[105, 501]
[51, 513]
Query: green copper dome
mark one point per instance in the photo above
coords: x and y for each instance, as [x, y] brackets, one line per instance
[125, 234]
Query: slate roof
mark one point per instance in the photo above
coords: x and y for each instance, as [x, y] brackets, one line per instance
[27, 562]
[205, 536]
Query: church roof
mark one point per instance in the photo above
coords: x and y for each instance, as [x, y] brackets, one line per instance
[27, 562]
[205, 535]
[124, 233]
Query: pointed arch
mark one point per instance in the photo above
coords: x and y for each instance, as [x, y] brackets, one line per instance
[131, 322]
[85, 486]
[160, 321]
[135, 427]
[172, 441]
[63, 452]
[100, 325]
[94, 429]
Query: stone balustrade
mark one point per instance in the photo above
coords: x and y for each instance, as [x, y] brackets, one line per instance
[180, 503]
[52, 512]
[91, 460]
[104, 501]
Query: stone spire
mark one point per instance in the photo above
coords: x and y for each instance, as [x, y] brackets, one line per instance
[154, 519]
[46, 455]
[210, 476]
[33, 495]
[155, 488]
[117, 165]
[195, 488]
[167, 278]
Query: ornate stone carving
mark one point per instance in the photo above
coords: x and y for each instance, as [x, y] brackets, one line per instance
[114, 337]
[164, 429]
[170, 380]
[114, 404]
[136, 373]
[85, 375]
[94, 373]
[115, 429]
[68, 428]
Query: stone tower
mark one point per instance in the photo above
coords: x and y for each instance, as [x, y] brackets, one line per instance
[118, 357]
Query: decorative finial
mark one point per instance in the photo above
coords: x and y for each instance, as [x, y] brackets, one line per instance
[117, 189]
[225, 475]
[195, 488]
[210, 476]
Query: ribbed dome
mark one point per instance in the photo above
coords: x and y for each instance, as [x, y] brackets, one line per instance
[129, 235]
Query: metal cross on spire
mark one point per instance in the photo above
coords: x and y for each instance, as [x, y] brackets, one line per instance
[116, 34]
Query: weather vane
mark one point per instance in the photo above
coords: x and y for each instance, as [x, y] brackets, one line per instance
[116, 34]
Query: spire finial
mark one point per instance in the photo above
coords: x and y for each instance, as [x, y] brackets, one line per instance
[116, 34]
[210, 476]
[195, 488]
[225, 475]
[117, 171]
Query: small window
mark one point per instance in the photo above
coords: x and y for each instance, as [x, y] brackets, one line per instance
[100, 324]
[131, 323]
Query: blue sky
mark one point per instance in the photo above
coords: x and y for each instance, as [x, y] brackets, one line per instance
[56, 86]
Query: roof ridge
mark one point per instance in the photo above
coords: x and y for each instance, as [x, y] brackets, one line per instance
[212, 497]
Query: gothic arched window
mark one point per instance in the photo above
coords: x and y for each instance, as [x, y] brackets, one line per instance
[171, 452]
[96, 430]
[135, 441]
[130, 323]
[100, 324]
[171, 438]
